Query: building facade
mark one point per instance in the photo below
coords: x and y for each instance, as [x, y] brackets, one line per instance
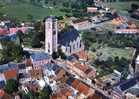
[51, 32]
[70, 42]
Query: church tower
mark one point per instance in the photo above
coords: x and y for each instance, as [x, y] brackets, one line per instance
[51, 34]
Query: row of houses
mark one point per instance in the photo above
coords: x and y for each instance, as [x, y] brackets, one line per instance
[124, 26]
[39, 71]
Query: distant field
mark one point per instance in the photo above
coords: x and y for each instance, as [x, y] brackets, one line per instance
[22, 11]
[123, 7]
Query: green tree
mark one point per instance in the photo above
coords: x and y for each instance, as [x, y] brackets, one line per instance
[55, 55]
[45, 93]
[61, 54]
[11, 51]
[20, 35]
[30, 17]
[11, 86]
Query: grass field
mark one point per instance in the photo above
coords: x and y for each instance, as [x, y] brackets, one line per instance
[121, 6]
[104, 52]
[21, 11]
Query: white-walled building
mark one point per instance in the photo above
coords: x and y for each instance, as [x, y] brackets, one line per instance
[81, 24]
[69, 41]
[51, 32]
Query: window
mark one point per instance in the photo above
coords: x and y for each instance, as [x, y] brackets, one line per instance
[54, 32]
[48, 47]
[70, 49]
[73, 46]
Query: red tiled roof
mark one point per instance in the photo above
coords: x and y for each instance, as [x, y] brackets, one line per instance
[3, 31]
[94, 96]
[10, 74]
[66, 92]
[2, 93]
[59, 96]
[82, 67]
[83, 88]
[88, 70]
[53, 97]
[75, 83]
[82, 55]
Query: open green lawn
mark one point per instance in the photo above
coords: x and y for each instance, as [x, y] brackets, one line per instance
[104, 52]
[113, 52]
[21, 11]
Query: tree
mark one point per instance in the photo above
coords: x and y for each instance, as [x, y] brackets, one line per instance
[11, 86]
[36, 41]
[55, 55]
[45, 93]
[134, 6]
[20, 35]
[30, 17]
[66, 4]
[61, 54]
[11, 51]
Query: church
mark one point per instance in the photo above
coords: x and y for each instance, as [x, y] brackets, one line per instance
[69, 41]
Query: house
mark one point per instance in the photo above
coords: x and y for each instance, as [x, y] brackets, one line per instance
[130, 96]
[80, 87]
[24, 73]
[1, 93]
[3, 31]
[24, 77]
[63, 92]
[81, 24]
[22, 68]
[125, 88]
[82, 70]
[60, 73]
[70, 42]
[118, 20]
[40, 58]
[7, 71]
[92, 9]
[82, 55]
[36, 73]
[127, 28]
[10, 74]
